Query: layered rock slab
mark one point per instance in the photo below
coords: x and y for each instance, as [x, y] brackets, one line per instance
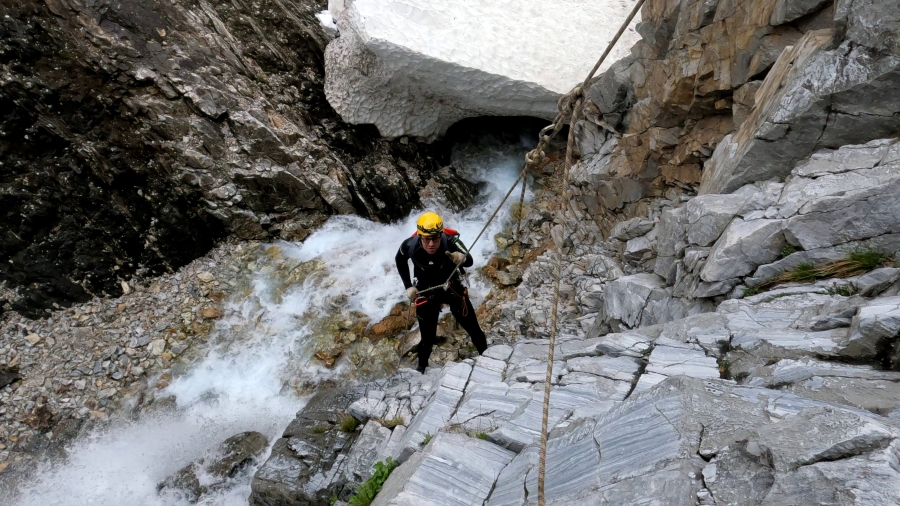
[650, 447]
[415, 67]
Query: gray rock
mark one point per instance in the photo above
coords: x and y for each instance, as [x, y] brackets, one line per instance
[486, 406]
[859, 386]
[744, 246]
[672, 358]
[821, 434]
[467, 466]
[211, 472]
[788, 10]
[305, 463]
[630, 229]
[812, 90]
[437, 411]
[708, 215]
[364, 452]
[628, 344]
[626, 297]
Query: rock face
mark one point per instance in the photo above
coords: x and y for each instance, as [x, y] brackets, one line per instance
[137, 134]
[415, 67]
[204, 475]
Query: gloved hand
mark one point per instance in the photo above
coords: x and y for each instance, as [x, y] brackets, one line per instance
[457, 257]
[412, 293]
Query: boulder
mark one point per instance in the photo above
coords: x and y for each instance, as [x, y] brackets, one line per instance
[305, 463]
[743, 246]
[211, 472]
[415, 67]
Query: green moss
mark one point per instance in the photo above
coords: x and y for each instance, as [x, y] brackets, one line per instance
[482, 435]
[788, 250]
[320, 430]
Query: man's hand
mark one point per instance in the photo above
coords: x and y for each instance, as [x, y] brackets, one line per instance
[457, 257]
[412, 293]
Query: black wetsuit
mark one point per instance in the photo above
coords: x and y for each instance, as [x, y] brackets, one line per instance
[431, 271]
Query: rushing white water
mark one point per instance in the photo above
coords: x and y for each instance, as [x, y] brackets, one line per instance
[242, 384]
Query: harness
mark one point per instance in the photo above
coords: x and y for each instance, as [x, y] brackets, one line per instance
[446, 235]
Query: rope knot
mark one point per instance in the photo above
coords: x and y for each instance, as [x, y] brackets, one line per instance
[534, 157]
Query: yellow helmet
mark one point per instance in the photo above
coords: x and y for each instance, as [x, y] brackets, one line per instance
[429, 224]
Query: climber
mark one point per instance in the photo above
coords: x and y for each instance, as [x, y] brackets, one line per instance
[437, 252]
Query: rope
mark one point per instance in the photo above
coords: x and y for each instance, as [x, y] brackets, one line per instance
[577, 94]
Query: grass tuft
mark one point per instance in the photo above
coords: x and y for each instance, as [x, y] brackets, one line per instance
[427, 439]
[482, 435]
[858, 261]
[348, 423]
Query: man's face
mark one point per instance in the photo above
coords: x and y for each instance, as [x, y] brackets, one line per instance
[430, 243]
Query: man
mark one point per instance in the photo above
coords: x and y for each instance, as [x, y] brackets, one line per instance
[435, 254]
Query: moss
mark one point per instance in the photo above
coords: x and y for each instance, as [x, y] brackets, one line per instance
[320, 430]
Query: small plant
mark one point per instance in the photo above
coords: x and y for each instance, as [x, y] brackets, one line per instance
[366, 492]
[320, 430]
[777, 296]
[427, 439]
[867, 259]
[348, 423]
[848, 290]
[788, 250]
[482, 435]
[753, 290]
[390, 423]
[333, 499]
[803, 273]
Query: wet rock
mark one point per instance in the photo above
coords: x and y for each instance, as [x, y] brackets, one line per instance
[233, 455]
[306, 464]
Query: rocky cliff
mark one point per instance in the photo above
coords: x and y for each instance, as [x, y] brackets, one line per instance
[134, 135]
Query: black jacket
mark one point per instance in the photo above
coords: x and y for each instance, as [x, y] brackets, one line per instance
[429, 270]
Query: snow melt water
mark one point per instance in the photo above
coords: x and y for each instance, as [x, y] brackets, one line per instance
[262, 344]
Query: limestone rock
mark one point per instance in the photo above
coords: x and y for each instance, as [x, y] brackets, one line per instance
[810, 99]
[743, 246]
[209, 473]
[467, 466]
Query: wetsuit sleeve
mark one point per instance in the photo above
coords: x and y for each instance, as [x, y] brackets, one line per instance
[454, 244]
[403, 265]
